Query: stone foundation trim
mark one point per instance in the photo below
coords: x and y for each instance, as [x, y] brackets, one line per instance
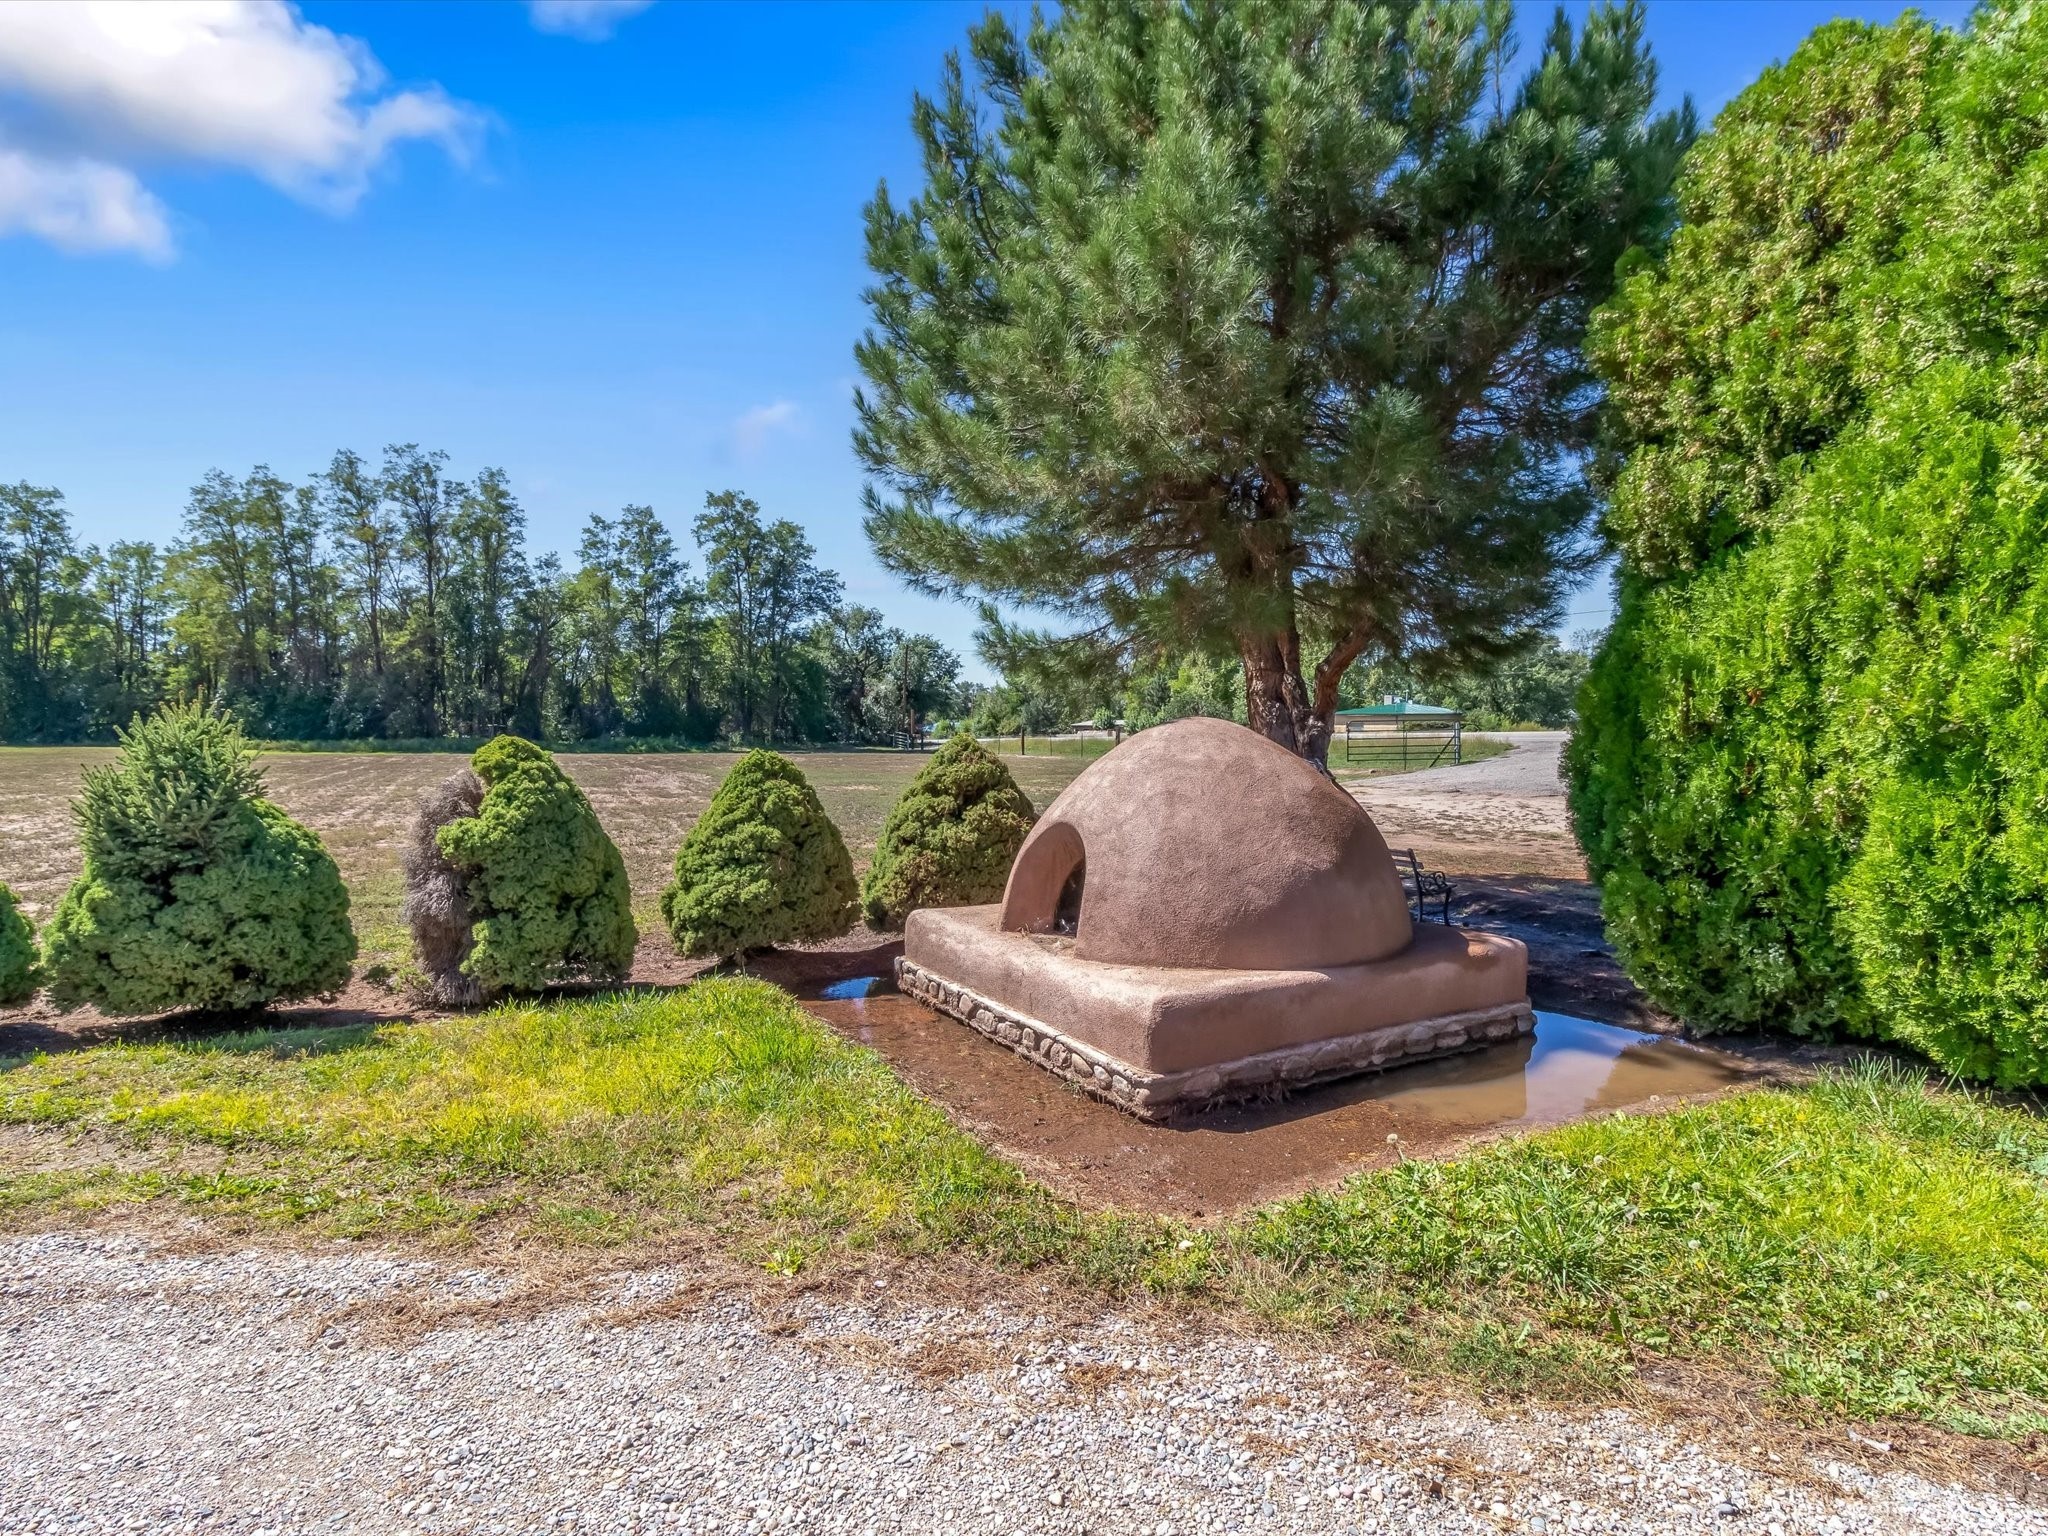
[1155, 1095]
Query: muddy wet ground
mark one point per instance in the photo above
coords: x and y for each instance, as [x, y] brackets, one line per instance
[1572, 968]
[1223, 1160]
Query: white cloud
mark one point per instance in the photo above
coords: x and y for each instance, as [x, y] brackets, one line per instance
[242, 83]
[751, 432]
[81, 206]
[591, 20]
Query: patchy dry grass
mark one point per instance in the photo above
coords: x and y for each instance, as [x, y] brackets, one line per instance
[1870, 1245]
[720, 1106]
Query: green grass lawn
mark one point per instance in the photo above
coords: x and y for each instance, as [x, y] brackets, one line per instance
[1868, 1246]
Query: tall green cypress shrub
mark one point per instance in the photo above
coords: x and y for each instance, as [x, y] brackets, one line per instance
[17, 952]
[951, 837]
[196, 892]
[543, 896]
[1811, 772]
[763, 866]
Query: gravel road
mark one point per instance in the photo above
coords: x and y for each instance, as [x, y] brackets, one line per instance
[271, 1391]
[1501, 815]
[1528, 768]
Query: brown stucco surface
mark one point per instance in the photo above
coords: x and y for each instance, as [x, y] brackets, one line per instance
[1161, 1019]
[1206, 845]
[1240, 930]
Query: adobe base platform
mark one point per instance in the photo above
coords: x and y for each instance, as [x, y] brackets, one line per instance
[1156, 1040]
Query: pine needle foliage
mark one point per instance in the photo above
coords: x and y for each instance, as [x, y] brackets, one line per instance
[196, 892]
[1252, 328]
[545, 888]
[950, 839]
[764, 865]
[1811, 771]
[18, 974]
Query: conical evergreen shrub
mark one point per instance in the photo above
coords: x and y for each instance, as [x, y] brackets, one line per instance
[17, 952]
[539, 893]
[951, 838]
[764, 865]
[196, 892]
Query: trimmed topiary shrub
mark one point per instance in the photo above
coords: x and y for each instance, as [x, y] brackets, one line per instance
[951, 838]
[511, 884]
[196, 891]
[17, 952]
[764, 865]
[1811, 770]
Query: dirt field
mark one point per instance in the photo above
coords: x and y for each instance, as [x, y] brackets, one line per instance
[360, 803]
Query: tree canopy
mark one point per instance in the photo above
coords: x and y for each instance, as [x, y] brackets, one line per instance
[394, 600]
[1255, 329]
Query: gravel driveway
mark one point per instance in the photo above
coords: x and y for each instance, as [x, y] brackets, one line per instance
[152, 1389]
[1528, 769]
[1501, 815]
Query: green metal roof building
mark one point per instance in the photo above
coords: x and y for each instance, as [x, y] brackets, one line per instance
[1402, 709]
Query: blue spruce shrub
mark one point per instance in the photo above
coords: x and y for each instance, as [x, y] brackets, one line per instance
[950, 839]
[522, 889]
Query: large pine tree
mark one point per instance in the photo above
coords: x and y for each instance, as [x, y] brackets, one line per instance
[1254, 326]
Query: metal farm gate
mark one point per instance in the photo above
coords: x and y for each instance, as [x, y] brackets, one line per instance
[1399, 735]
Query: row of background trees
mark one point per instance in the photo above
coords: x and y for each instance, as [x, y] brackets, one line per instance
[1538, 686]
[394, 601]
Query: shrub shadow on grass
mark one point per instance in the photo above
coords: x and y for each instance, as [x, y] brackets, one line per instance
[286, 1044]
[42, 1031]
[23, 1040]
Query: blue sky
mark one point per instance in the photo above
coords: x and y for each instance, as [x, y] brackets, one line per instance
[618, 254]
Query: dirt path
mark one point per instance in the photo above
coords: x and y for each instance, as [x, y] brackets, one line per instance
[161, 1388]
[1502, 815]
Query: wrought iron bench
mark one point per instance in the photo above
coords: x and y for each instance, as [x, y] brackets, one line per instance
[1427, 885]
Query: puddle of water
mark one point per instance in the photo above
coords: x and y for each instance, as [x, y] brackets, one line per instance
[1239, 1155]
[855, 988]
[1571, 1067]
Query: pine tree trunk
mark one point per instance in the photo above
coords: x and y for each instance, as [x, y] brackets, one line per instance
[1301, 715]
[1278, 703]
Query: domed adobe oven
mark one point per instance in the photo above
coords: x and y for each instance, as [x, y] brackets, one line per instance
[1202, 916]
